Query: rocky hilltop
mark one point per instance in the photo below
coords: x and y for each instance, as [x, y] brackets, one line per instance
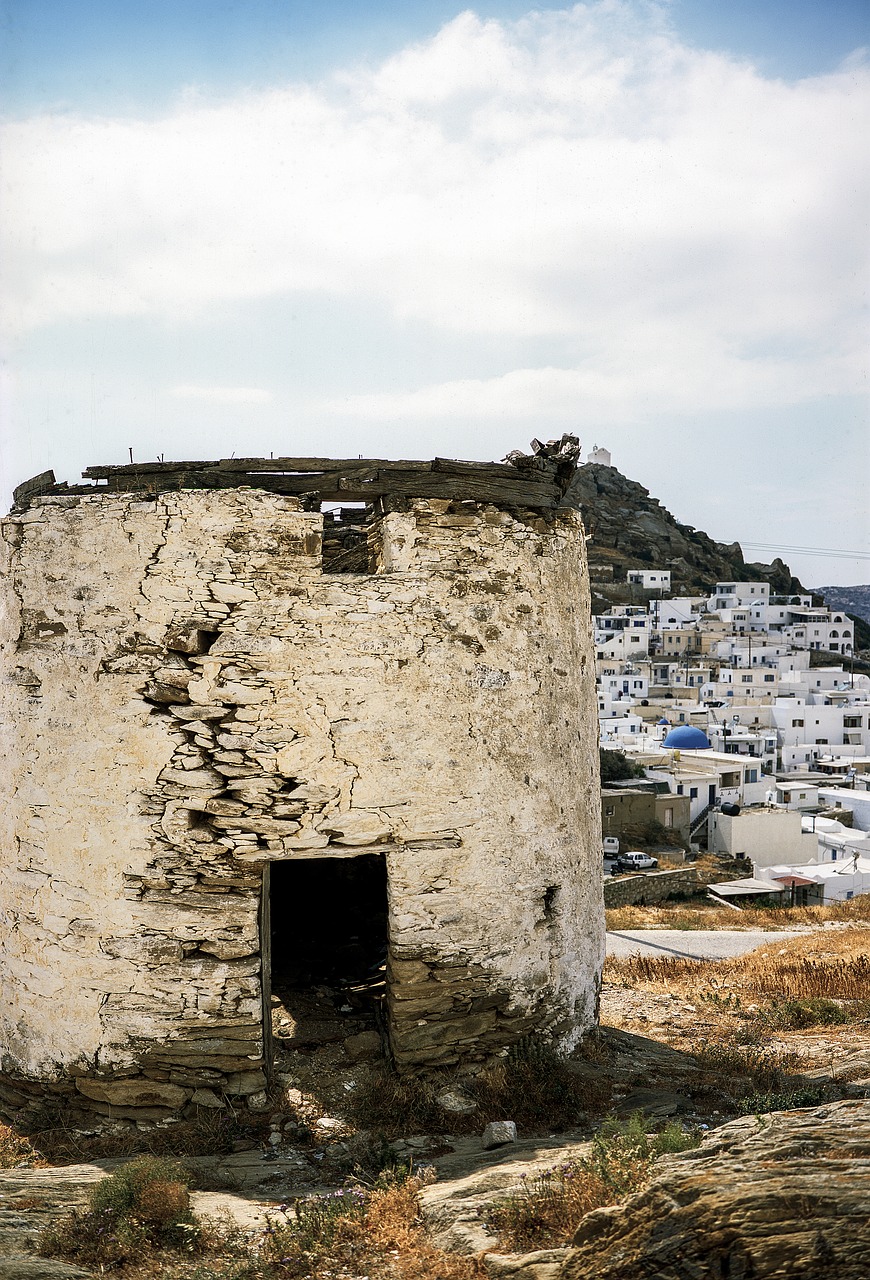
[629, 529]
[855, 600]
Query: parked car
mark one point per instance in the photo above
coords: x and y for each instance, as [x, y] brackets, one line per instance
[634, 860]
[611, 846]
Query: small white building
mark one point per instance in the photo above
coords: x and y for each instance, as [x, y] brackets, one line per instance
[857, 802]
[676, 611]
[765, 836]
[622, 633]
[618, 732]
[730, 594]
[599, 457]
[815, 883]
[739, 740]
[796, 796]
[820, 629]
[708, 777]
[650, 579]
[737, 682]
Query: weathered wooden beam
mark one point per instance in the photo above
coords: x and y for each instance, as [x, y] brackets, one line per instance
[542, 469]
[362, 485]
[32, 488]
[319, 464]
[143, 468]
[447, 466]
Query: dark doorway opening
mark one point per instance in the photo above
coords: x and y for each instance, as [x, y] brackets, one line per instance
[327, 921]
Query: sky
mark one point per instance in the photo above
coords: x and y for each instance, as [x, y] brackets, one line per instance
[342, 227]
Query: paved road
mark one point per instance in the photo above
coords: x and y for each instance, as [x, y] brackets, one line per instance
[691, 944]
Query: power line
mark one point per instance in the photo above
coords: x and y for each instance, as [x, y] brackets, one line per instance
[808, 551]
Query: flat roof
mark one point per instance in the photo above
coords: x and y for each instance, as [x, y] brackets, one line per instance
[743, 888]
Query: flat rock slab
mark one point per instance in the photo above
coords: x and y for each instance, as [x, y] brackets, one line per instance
[20, 1267]
[31, 1199]
[764, 1197]
[691, 944]
[541, 1264]
[470, 1180]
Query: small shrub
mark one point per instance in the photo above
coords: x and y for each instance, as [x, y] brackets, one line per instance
[623, 1151]
[314, 1225]
[393, 1105]
[788, 1099]
[796, 1014]
[375, 1231]
[540, 1088]
[142, 1207]
[545, 1209]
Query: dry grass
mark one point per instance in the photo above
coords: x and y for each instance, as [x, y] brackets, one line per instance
[138, 1226]
[748, 1004]
[15, 1150]
[376, 1233]
[833, 964]
[545, 1209]
[56, 1142]
[707, 915]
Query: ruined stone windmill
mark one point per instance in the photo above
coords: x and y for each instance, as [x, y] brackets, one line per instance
[242, 723]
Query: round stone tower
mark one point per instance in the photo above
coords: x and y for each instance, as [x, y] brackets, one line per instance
[253, 735]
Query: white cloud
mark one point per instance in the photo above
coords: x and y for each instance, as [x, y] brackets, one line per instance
[222, 395]
[693, 232]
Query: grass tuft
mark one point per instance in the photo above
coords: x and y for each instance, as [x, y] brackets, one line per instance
[545, 1209]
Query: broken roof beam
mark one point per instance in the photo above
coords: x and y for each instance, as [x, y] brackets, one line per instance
[447, 466]
[364, 484]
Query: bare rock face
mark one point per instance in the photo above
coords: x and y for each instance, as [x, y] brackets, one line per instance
[781, 1195]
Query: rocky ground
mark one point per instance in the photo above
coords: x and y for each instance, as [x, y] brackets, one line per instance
[782, 1195]
[647, 1055]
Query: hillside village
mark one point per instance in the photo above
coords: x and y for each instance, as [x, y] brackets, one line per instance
[255, 657]
[739, 706]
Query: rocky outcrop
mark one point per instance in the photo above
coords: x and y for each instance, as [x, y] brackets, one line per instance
[781, 1195]
[630, 530]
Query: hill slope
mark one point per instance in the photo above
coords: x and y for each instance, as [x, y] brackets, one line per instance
[855, 600]
[628, 529]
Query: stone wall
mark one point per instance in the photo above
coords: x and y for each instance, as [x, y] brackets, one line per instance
[188, 697]
[650, 887]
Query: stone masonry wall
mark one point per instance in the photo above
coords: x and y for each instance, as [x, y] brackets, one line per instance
[187, 697]
[651, 887]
